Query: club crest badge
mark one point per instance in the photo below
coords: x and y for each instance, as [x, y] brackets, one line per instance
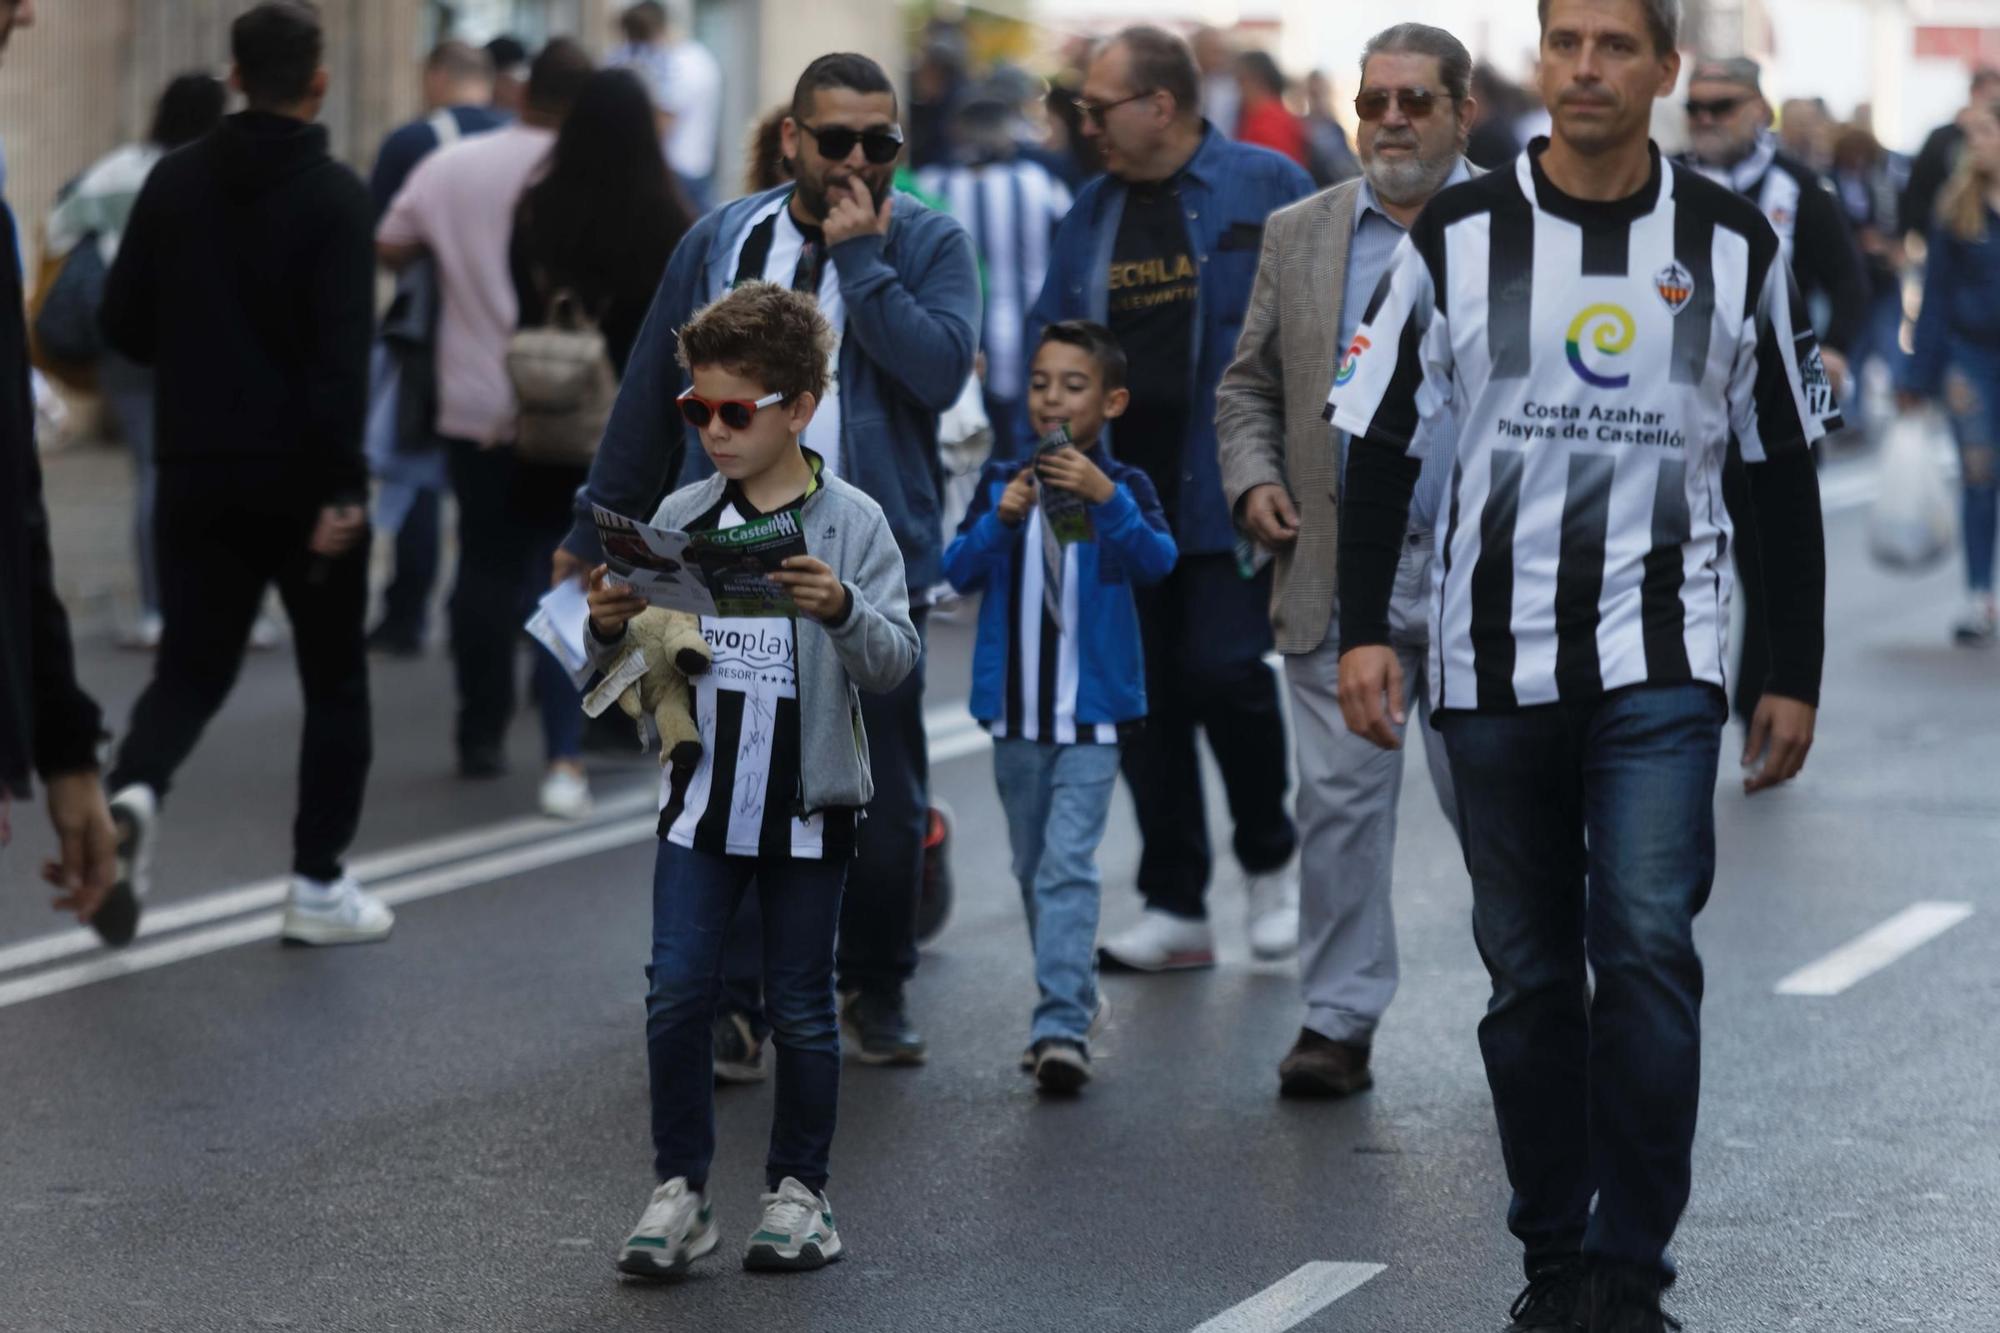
[1675, 286]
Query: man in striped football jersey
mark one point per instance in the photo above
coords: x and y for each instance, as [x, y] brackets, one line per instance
[1600, 322]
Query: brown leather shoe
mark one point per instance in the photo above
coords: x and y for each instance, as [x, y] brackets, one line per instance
[1319, 1066]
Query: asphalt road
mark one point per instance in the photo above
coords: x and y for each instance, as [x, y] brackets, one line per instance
[448, 1131]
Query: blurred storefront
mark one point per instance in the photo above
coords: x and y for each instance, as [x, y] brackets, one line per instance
[83, 79]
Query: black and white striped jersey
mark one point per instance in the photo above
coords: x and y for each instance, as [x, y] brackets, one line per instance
[741, 799]
[1597, 357]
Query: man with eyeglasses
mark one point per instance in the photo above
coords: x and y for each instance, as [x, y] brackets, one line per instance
[1282, 473]
[899, 284]
[1163, 250]
[1729, 126]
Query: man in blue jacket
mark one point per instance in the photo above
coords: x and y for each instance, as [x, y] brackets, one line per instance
[899, 283]
[1163, 250]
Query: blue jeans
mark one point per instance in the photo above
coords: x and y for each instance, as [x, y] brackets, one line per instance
[1057, 798]
[1972, 400]
[1590, 836]
[694, 899]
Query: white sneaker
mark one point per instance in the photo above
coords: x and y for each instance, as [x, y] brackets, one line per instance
[134, 813]
[1978, 624]
[796, 1233]
[1274, 912]
[338, 913]
[677, 1228]
[565, 794]
[144, 636]
[1161, 942]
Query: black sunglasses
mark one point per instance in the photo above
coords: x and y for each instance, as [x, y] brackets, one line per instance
[879, 145]
[1415, 103]
[1715, 109]
[1094, 111]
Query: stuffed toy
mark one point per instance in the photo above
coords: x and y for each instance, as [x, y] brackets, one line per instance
[663, 650]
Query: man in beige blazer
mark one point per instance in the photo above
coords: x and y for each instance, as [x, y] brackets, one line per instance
[1281, 471]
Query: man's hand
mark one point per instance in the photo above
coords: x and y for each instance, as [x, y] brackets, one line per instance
[1907, 402]
[612, 605]
[566, 565]
[1270, 515]
[1836, 370]
[1018, 498]
[1068, 470]
[814, 589]
[339, 527]
[1371, 694]
[854, 213]
[1781, 735]
[88, 844]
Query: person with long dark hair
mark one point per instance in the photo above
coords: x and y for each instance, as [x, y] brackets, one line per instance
[598, 227]
[96, 208]
[1956, 356]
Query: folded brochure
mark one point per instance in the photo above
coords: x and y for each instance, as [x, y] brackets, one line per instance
[719, 572]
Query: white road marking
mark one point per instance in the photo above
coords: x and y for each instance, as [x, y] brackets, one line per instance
[1291, 1302]
[271, 892]
[266, 925]
[1867, 954]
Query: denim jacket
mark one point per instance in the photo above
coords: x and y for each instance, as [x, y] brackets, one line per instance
[912, 320]
[1227, 190]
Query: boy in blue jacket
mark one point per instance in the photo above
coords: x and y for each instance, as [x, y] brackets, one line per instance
[1058, 675]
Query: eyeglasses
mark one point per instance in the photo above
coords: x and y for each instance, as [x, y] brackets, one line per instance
[1415, 103]
[879, 145]
[1714, 109]
[735, 412]
[1094, 111]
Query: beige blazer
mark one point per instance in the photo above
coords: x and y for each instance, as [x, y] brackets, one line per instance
[1269, 409]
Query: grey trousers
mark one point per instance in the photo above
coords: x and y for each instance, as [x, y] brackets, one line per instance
[1348, 794]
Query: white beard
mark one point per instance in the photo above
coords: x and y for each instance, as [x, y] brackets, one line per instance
[1409, 181]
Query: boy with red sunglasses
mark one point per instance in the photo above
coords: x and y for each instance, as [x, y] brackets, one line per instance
[783, 776]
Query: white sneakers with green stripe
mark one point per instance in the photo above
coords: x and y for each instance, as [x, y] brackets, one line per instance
[796, 1233]
[677, 1228]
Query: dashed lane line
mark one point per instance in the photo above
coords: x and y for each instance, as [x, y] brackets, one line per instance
[1290, 1302]
[1868, 953]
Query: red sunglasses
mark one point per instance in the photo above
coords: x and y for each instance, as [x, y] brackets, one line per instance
[735, 412]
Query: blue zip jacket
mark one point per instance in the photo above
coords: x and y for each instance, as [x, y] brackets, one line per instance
[1133, 547]
[912, 320]
[1227, 190]
[1961, 310]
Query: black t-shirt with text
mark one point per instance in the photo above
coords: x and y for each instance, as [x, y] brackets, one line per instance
[1152, 284]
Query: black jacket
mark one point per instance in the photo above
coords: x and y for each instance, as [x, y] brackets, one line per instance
[246, 279]
[1933, 167]
[47, 723]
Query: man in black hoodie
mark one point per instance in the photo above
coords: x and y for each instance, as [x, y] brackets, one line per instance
[48, 725]
[246, 279]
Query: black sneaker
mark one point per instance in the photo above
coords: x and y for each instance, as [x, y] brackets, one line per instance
[1061, 1065]
[1553, 1299]
[389, 640]
[1625, 1298]
[481, 762]
[739, 1055]
[879, 1031]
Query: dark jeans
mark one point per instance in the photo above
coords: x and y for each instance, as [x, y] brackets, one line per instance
[1590, 837]
[878, 919]
[511, 515]
[226, 533]
[1206, 630]
[695, 896]
[406, 601]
